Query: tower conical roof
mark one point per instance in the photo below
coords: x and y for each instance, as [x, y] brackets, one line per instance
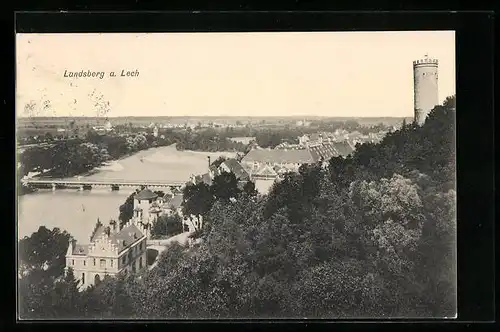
[145, 194]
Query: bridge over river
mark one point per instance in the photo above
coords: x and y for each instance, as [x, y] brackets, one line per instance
[85, 184]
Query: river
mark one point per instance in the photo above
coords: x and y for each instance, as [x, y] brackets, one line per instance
[77, 211]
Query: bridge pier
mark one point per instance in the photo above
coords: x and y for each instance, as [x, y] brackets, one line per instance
[87, 185]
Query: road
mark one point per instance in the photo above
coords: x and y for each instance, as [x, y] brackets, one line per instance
[161, 245]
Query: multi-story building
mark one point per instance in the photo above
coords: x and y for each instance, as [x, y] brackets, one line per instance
[146, 208]
[111, 251]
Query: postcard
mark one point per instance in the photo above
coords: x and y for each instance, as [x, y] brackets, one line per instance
[236, 175]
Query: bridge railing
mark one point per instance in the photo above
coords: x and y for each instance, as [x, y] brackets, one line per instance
[107, 181]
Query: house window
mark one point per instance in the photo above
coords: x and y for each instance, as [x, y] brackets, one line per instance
[84, 263]
[94, 261]
[140, 263]
[111, 262]
[83, 278]
[124, 259]
[102, 263]
[73, 262]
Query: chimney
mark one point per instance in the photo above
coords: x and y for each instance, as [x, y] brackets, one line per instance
[208, 162]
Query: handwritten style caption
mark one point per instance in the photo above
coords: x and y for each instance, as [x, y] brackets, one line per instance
[100, 74]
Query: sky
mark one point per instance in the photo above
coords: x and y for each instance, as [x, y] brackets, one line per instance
[332, 74]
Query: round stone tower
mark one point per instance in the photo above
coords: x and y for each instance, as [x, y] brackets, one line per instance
[425, 87]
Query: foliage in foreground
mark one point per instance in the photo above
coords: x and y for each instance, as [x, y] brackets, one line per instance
[355, 239]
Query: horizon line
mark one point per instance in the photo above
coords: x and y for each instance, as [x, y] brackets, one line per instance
[210, 116]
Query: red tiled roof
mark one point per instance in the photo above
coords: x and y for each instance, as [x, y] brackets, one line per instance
[129, 234]
[80, 249]
[205, 178]
[343, 148]
[174, 202]
[98, 232]
[279, 156]
[235, 167]
[266, 170]
[329, 150]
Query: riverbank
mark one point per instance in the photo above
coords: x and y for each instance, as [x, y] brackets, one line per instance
[77, 211]
[114, 166]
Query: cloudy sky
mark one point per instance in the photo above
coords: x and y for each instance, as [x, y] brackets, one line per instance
[357, 74]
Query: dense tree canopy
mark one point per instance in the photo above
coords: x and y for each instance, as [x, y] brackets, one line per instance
[167, 225]
[127, 209]
[44, 250]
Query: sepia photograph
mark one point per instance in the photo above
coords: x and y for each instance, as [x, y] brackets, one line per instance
[256, 175]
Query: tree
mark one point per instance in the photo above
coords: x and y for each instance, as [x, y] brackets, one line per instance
[436, 262]
[249, 188]
[127, 210]
[338, 289]
[45, 250]
[198, 200]
[450, 102]
[44, 290]
[65, 297]
[225, 186]
[167, 225]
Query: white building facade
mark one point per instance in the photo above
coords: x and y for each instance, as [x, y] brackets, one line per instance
[110, 252]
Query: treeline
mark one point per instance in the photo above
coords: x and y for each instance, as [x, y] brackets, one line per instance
[76, 156]
[68, 158]
[209, 140]
[368, 236]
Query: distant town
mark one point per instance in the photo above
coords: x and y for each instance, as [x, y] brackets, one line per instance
[45, 129]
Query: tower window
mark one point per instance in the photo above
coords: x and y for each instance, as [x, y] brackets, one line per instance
[73, 262]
